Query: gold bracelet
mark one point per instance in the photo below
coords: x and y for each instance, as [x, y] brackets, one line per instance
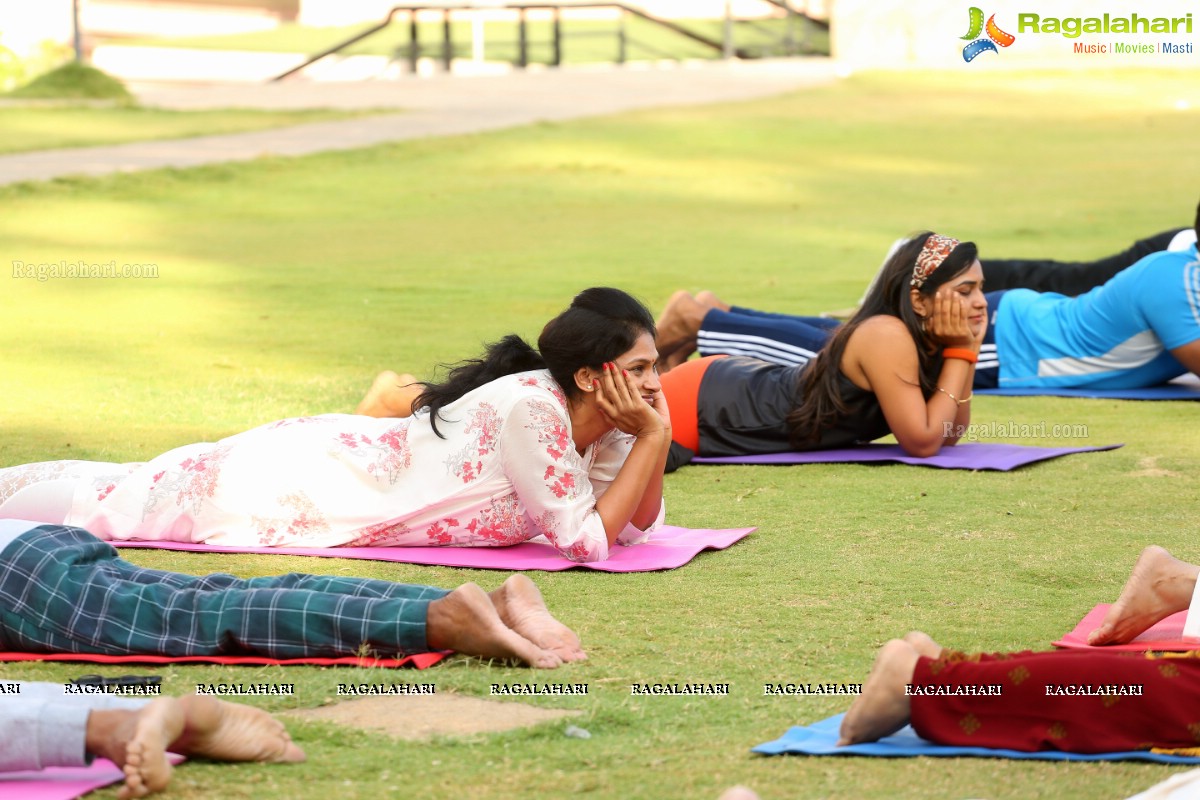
[966, 399]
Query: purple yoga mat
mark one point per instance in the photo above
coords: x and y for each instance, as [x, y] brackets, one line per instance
[669, 548]
[62, 783]
[972, 455]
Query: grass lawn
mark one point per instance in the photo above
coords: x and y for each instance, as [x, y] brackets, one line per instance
[284, 285]
[584, 40]
[38, 126]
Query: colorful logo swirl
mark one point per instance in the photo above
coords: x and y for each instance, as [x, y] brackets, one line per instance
[994, 36]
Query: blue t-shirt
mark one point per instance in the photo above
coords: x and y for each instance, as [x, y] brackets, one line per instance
[1117, 336]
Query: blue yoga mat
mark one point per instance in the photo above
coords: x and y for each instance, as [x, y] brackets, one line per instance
[1185, 388]
[820, 739]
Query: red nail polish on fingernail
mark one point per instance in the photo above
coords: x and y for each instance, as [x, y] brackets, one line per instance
[625, 372]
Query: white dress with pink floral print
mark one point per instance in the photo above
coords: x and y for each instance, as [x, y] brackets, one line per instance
[506, 472]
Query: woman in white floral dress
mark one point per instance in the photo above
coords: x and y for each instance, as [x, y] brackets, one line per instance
[566, 442]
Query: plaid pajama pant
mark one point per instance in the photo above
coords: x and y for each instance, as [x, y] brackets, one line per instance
[64, 590]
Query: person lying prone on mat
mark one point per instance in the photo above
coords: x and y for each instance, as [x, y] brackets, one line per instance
[62, 590]
[1077, 701]
[1074, 278]
[707, 323]
[1060, 700]
[903, 365]
[41, 726]
[1115, 335]
[567, 441]
[1139, 329]
[686, 323]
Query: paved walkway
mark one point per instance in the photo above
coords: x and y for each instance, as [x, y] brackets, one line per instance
[441, 105]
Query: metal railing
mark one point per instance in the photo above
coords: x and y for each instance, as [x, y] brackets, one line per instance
[413, 49]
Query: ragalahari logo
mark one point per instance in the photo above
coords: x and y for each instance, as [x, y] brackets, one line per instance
[994, 37]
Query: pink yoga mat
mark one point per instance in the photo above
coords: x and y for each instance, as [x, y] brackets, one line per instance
[1165, 635]
[415, 661]
[669, 548]
[62, 783]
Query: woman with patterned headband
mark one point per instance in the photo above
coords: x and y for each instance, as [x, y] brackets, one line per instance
[1136, 328]
[904, 364]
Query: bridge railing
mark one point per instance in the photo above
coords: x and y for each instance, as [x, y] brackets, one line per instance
[445, 48]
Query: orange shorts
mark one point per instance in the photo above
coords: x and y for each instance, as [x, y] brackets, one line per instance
[681, 388]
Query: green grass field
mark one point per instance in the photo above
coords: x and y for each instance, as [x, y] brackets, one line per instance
[284, 285]
[25, 127]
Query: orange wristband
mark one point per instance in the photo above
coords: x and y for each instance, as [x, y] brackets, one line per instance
[961, 352]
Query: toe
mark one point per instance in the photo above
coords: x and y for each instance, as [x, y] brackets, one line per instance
[547, 660]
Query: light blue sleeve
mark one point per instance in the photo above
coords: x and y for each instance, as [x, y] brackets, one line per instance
[10, 529]
[1173, 307]
[41, 726]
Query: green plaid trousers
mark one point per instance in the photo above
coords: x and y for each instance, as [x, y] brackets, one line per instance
[64, 590]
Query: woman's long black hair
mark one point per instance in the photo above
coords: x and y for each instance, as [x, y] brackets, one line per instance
[600, 324]
[819, 397]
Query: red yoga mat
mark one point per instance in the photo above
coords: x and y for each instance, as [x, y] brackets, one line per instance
[1165, 635]
[415, 661]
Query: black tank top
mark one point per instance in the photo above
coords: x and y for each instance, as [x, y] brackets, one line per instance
[743, 404]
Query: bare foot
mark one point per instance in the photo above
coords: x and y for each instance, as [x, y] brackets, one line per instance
[224, 731]
[677, 329]
[137, 741]
[520, 606]
[1159, 585]
[391, 395]
[738, 792]
[710, 300]
[883, 707]
[466, 621]
[923, 644]
[840, 313]
[677, 356]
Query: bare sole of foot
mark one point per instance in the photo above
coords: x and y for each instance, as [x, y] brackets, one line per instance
[223, 731]
[1159, 586]
[883, 707]
[684, 314]
[678, 325]
[467, 622]
[840, 313]
[521, 607]
[677, 356]
[137, 741]
[924, 644]
[390, 395]
[738, 792]
[710, 300]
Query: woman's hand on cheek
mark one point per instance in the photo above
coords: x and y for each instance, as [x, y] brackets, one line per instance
[660, 407]
[947, 324]
[982, 332]
[619, 400]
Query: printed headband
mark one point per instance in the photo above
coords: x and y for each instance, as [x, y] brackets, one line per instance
[935, 250]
